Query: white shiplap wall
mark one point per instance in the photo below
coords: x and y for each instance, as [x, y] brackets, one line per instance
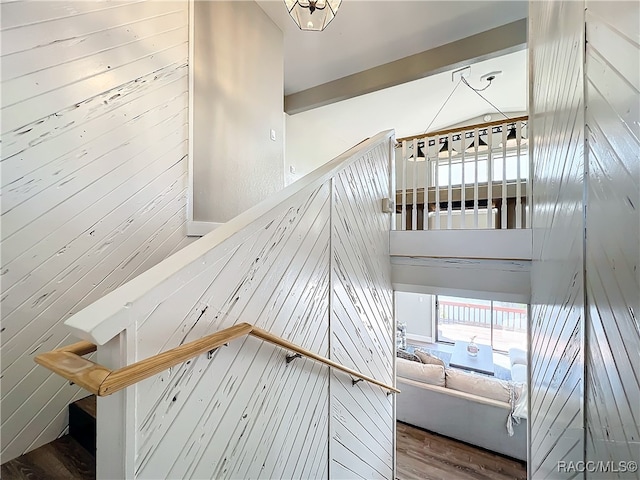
[93, 175]
[311, 265]
[585, 332]
[245, 412]
[556, 43]
[362, 327]
[612, 385]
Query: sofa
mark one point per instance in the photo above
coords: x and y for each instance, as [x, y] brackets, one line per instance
[518, 360]
[469, 407]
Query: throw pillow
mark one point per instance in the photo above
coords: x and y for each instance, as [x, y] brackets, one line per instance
[483, 386]
[428, 358]
[407, 356]
[420, 372]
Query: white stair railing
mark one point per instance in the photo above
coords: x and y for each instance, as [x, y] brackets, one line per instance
[474, 177]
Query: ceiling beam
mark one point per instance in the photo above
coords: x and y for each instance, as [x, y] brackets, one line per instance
[476, 48]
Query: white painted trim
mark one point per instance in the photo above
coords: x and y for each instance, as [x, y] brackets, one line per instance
[392, 188]
[116, 434]
[490, 244]
[108, 316]
[191, 75]
[419, 338]
[200, 229]
[434, 320]
[461, 292]
[394, 306]
[508, 281]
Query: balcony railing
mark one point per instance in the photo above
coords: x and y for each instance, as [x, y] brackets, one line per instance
[469, 178]
[507, 318]
[501, 326]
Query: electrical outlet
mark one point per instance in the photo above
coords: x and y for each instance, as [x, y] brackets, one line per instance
[460, 74]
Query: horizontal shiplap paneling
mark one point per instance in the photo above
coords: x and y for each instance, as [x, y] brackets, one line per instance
[94, 178]
[612, 386]
[556, 42]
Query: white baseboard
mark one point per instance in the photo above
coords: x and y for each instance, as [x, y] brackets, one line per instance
[199, 229]
[419, 338]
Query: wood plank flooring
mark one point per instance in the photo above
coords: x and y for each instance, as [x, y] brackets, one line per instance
[423, 455]
[63, 458]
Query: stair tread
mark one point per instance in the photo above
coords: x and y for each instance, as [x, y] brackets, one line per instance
[62, 458]
[88, 404]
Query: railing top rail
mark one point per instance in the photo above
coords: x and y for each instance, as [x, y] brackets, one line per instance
[465, 128]
[99, 380]
[107, 317]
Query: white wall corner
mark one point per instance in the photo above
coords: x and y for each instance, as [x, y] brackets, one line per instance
[191, 75]
[199, 229]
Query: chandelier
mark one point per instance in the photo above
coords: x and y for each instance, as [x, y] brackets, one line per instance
[313, 15]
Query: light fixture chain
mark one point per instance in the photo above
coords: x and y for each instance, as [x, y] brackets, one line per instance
[482, 96]
[443, 105]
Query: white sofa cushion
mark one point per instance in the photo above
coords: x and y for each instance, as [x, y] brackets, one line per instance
[420, 372]
[519, 373]
[480, 385]
[517, 356]
[428, 358]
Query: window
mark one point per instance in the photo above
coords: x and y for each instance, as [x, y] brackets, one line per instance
[498, 165]
[503, 325]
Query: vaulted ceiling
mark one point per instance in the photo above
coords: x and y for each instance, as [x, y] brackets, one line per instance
[369, 33]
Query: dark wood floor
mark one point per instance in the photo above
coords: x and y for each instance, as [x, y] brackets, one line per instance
[63, 458]
[422, 455]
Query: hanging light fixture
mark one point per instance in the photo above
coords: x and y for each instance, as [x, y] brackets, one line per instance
[444, 150]
[421, 156]
[512, 138]
[482, 145]
[312, 15]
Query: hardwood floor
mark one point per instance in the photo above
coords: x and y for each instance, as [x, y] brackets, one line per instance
[423, 455]
[63, 458]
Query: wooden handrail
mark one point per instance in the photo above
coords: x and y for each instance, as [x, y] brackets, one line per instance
[99, 380]
[447, 131]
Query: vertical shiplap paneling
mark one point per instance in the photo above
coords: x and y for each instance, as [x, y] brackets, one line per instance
[94, 145]
[556, 42]
[244, 412]
[362, 418]
[612, 387]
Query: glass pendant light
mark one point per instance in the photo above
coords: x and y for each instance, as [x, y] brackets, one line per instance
[312, 15]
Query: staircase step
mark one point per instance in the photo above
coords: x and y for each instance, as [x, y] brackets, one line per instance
[62, 458]
[82, 423]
